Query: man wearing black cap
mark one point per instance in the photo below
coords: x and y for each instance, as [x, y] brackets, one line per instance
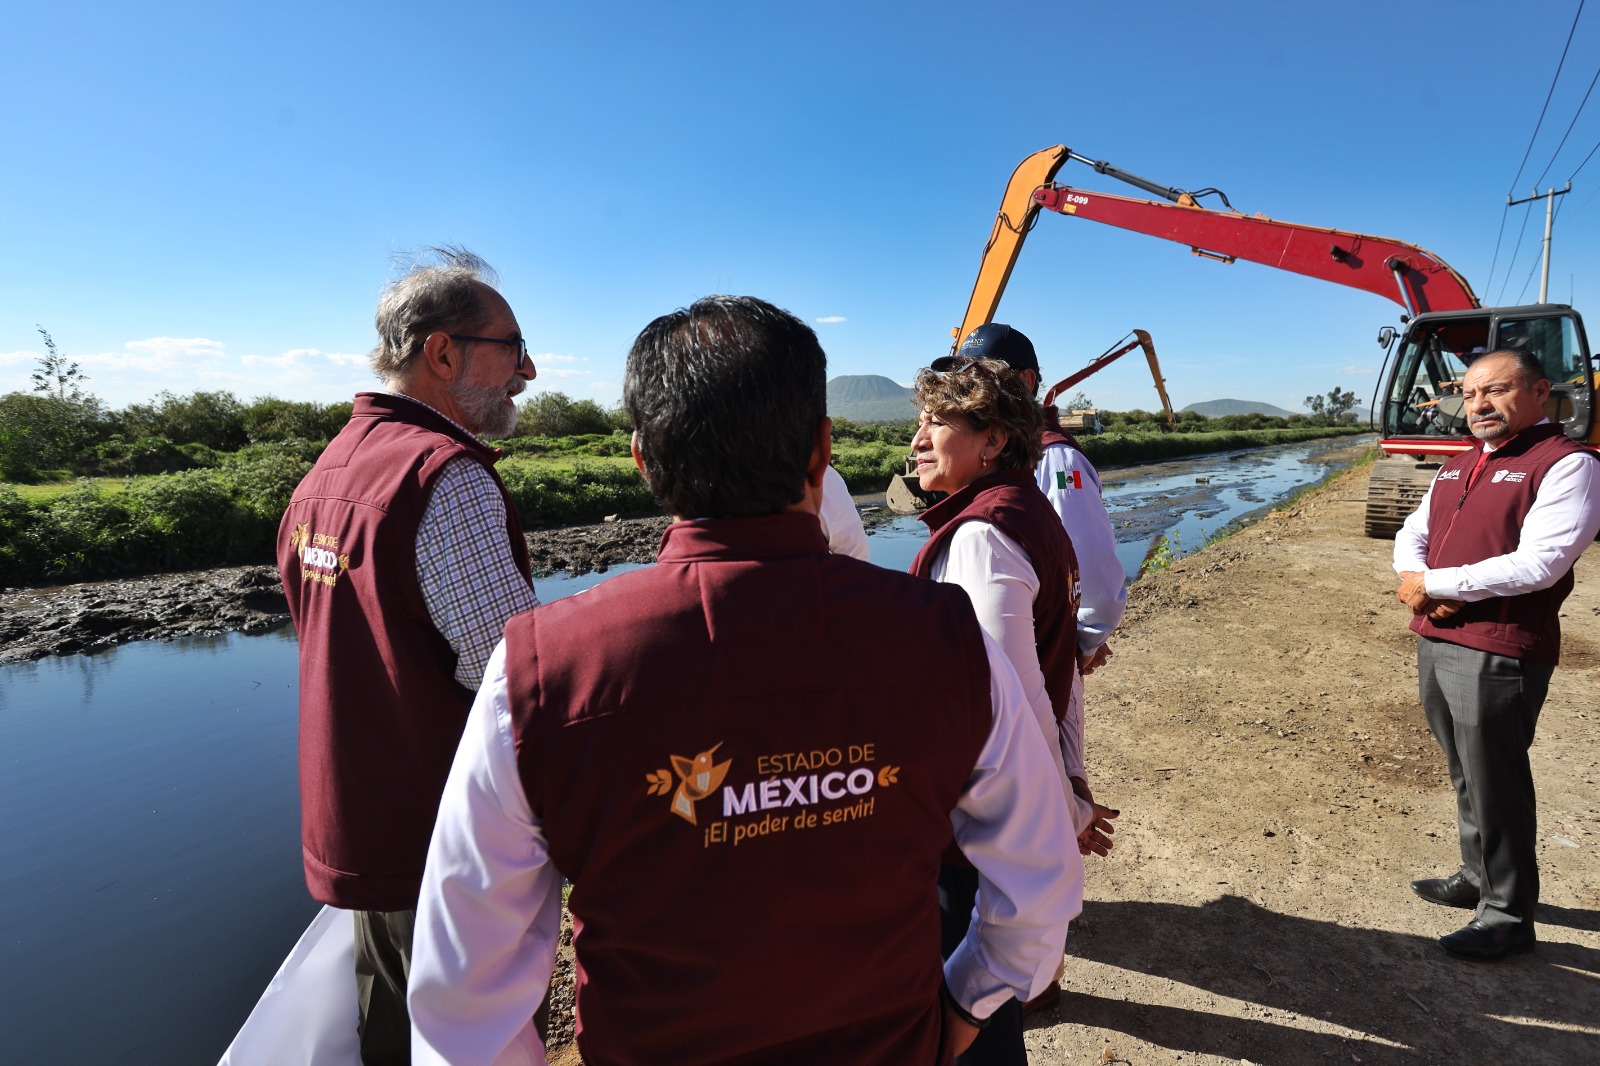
[1070, 481]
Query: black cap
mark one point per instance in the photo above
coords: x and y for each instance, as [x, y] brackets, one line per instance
[993, 340]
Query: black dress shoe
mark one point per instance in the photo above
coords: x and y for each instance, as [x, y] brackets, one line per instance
[1478, 941]
[1452, 891]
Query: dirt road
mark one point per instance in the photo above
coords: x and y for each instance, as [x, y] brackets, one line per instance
[1260, 731]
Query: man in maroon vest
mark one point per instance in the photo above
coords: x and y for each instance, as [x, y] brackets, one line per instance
[1484, 564]
[402, 558]
[749, 807]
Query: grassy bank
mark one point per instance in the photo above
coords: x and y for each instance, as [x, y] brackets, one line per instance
[227, 513]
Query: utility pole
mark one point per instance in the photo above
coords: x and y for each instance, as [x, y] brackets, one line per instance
[1549, 217]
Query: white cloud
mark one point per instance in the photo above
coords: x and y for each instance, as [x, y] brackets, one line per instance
[1360, 369]
[18, 358]
[561, 372]
[302, 359]
[831, 319]
[181, 365]
[551, 357]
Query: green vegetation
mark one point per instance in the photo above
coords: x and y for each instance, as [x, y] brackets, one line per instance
[1163, 553]
[201, 480]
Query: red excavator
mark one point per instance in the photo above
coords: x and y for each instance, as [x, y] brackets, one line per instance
[1443, 326]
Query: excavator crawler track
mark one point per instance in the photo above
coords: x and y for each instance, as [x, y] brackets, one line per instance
[1396, 488]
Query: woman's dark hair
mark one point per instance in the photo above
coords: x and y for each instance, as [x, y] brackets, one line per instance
[989, 393]
[725, 399]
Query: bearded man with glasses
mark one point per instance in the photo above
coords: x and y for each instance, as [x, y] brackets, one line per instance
[402, 558]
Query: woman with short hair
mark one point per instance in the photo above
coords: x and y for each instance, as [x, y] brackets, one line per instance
[997, 537]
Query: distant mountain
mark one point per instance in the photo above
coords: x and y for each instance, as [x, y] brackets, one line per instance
[1217, 408]
[869, 398]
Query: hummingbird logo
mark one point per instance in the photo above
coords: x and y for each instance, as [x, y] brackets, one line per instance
[697, 778]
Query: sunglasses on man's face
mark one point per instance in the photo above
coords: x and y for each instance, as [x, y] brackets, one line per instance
[517, 344]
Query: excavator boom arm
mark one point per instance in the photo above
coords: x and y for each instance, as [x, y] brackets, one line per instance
[1141, 340]
[1412, 277]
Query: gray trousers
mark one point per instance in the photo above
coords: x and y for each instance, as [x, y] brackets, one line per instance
[1482, 709]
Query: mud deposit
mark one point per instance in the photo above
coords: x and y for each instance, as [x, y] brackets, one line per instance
[35, 622]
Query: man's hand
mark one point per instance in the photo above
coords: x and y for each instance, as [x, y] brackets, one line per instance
[1442, 609]
[1412, 592]
[962, 1033]
[1088, 664]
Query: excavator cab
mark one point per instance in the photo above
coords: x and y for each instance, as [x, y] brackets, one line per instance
[1424, 417]
[1423, 398]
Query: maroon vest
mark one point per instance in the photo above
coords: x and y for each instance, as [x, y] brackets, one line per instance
[380, 710]
[749, 798]
[1010, 500]
[1469, 525]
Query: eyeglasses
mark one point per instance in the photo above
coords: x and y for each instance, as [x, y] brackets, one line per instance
[517, 343]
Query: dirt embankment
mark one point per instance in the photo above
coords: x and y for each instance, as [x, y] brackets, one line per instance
[1259, 729]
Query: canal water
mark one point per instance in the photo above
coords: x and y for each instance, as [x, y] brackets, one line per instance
[149, 825]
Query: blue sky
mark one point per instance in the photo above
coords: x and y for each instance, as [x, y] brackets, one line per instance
[205, 196]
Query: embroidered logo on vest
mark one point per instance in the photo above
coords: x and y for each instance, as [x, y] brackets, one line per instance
[1065, 480]
[841, 780]
[698, 778]
[1508, 475]
[319, 558]
[1449, 475]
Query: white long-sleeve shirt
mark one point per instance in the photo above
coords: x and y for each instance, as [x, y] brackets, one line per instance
[1002, 584]
[1072, 485]
[841, 522]
[1563, 520]
[488, 918]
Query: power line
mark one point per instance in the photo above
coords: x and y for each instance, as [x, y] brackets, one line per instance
[1571, 124]
[1511, 265]
[1586, 159]
[1547, 97]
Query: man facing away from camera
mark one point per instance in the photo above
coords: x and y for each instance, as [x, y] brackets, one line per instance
[750, 809]
[402, 558]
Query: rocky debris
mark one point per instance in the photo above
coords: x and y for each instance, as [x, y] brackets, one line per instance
[595, 549]
[35, 622]
[60, 620]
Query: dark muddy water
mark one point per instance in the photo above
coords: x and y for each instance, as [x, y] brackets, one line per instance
[149, 824]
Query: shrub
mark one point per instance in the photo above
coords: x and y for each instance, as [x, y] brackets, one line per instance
[187, 519]
[269, 419]
[547, 494]
[215, 419]
[84, 533]
[555, 414]
[118, 457]
[868, 468]
[262, 483]
[18, 546]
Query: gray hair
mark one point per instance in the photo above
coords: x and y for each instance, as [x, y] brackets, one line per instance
[439, 291]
